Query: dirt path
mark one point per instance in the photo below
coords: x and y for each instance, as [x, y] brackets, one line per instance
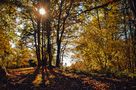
[59, 80]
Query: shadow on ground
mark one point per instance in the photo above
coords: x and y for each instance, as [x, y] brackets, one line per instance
[59, 80]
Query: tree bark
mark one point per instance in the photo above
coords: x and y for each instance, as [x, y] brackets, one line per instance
[58, 54]
[49, 48]
[133, 6]
[60, 33]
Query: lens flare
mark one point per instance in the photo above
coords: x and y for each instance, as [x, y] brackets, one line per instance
[42, 11]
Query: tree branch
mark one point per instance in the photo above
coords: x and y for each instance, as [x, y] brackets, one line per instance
[97, 7]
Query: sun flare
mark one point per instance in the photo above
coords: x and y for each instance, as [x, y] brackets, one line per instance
[42, 11]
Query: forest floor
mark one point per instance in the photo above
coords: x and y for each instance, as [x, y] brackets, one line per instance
[21, 79]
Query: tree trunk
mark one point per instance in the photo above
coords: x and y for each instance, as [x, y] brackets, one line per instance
[49, 49]
[133, 6]
[37, 46]
[58, 54]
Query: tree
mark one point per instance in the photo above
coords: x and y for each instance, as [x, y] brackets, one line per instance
[107, 48]
[6, 31]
